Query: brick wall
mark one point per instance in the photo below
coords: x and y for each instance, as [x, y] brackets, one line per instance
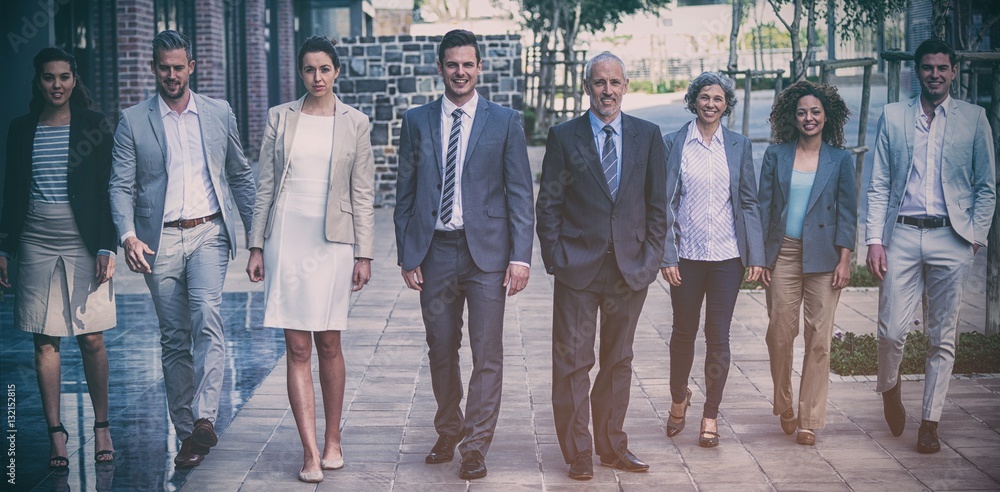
[288, 48]
[385, 76]
[209, 52]
[135, 38]
[256, 79]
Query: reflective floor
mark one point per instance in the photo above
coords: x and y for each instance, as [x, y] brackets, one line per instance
[144, 439]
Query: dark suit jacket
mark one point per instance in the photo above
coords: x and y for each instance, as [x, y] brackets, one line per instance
[90, 142]
[831, 214]
[496, 187]
[742, 187]
[577, 219]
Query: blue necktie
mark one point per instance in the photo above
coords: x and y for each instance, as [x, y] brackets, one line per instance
[609, 161]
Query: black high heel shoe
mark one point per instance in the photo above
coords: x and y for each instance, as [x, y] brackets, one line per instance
[59, 463]
[106, 452]
[675, 428]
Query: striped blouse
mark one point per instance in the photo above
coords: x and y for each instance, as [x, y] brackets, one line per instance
[50, 164]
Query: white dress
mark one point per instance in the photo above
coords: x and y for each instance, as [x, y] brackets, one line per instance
[307, 279]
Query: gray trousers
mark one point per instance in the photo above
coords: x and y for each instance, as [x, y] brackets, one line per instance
[574, 329]
[938, 261]
[186, 286]
[452, 279]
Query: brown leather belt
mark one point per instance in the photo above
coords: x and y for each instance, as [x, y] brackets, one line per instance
[189, 223]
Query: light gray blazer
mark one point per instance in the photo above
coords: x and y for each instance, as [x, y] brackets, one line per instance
[350, 212]
[496, 185]
[742, 187]
[968, 176]
[139, 174]
[831, 219]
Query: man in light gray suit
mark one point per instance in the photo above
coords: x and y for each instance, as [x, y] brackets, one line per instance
[178, 171]
[463, 233]
[930, 205]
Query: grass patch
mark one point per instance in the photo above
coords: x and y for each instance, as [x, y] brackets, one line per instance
[857, 355]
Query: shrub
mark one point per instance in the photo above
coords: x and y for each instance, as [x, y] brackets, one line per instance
[857, 355]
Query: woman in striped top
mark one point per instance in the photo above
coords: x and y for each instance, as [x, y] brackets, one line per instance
[57, 224]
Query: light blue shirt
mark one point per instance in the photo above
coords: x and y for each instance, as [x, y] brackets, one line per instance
[798, 199]
[597, 126]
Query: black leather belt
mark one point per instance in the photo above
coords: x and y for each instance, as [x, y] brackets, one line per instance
[189, 223]
[456, 234]
[924, 222]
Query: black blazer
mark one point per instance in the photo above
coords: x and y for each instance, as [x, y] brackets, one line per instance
[90, 141]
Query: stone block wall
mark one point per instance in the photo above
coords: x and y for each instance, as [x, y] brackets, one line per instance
[386, 75]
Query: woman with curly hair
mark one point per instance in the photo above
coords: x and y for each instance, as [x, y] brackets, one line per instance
[808, 207]
[713, 236]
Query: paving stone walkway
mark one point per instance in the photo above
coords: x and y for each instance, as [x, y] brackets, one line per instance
[389, 408]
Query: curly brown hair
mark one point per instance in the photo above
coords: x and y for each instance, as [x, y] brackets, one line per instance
[782, 118]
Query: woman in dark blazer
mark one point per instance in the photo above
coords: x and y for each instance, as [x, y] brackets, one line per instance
[713, 237]
[57, 224]
[808, 204]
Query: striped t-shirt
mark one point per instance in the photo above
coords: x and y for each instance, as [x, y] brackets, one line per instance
[50, 164]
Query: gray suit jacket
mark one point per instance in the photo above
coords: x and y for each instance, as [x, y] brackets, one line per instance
[350, 213]
[139, 174]
[577, 219]
[496, 187]
[968, 176]
[831, 220]
[742, 187]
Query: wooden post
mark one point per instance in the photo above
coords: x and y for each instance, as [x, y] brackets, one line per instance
[746, 103]
[892, 79]
[777, 92]
[993, 250]
[859, 164]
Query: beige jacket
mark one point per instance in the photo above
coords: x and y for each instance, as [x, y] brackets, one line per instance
[350, 214]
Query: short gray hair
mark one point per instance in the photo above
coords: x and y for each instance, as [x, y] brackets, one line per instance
[707, 79]
[600, 58]
[170, 40]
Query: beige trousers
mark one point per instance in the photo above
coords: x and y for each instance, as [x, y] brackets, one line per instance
[789, 291]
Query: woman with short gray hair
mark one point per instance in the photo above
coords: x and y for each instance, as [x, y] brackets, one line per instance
[713, 235]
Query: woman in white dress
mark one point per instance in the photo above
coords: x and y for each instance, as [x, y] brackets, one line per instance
[311, 240]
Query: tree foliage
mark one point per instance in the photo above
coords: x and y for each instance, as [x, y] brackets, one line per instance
[570, 17]
[861, 14]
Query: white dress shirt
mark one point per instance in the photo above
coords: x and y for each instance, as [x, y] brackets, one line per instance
[705, 212]
[190, 193]
[924, 196]
[469, 114]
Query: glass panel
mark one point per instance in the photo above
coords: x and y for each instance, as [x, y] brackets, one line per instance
[333, 22]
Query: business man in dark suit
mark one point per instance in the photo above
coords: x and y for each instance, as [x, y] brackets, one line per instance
[930, 206]
[602, 220]
[181, 232]
[463, 234]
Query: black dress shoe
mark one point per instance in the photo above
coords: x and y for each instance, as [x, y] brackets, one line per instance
[186, 457]
[444, 449]
[582, 467]
[203, 435]
[625, 462]
[927, 438]
[892, 406]
[473, 466]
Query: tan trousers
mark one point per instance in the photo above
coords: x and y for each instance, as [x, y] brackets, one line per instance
[789, 291]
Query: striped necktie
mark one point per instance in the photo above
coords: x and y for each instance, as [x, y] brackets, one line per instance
[609, 161]
[451, 162]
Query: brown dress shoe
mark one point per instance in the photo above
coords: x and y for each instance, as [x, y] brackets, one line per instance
[187, 457]
[204, 434]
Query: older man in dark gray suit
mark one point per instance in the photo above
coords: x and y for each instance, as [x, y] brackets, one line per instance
[602, 219]
[463, 234]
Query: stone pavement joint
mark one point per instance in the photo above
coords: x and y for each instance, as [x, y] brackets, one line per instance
[389, 409]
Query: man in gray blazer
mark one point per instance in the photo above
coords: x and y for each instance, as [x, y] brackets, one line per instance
[602, 219]
[463, 233]
[178, 171]
[930, 205]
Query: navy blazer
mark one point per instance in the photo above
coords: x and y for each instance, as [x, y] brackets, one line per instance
[90, 142]
[746, 215]
[578, 221]
[496, 187]
[831, 213]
